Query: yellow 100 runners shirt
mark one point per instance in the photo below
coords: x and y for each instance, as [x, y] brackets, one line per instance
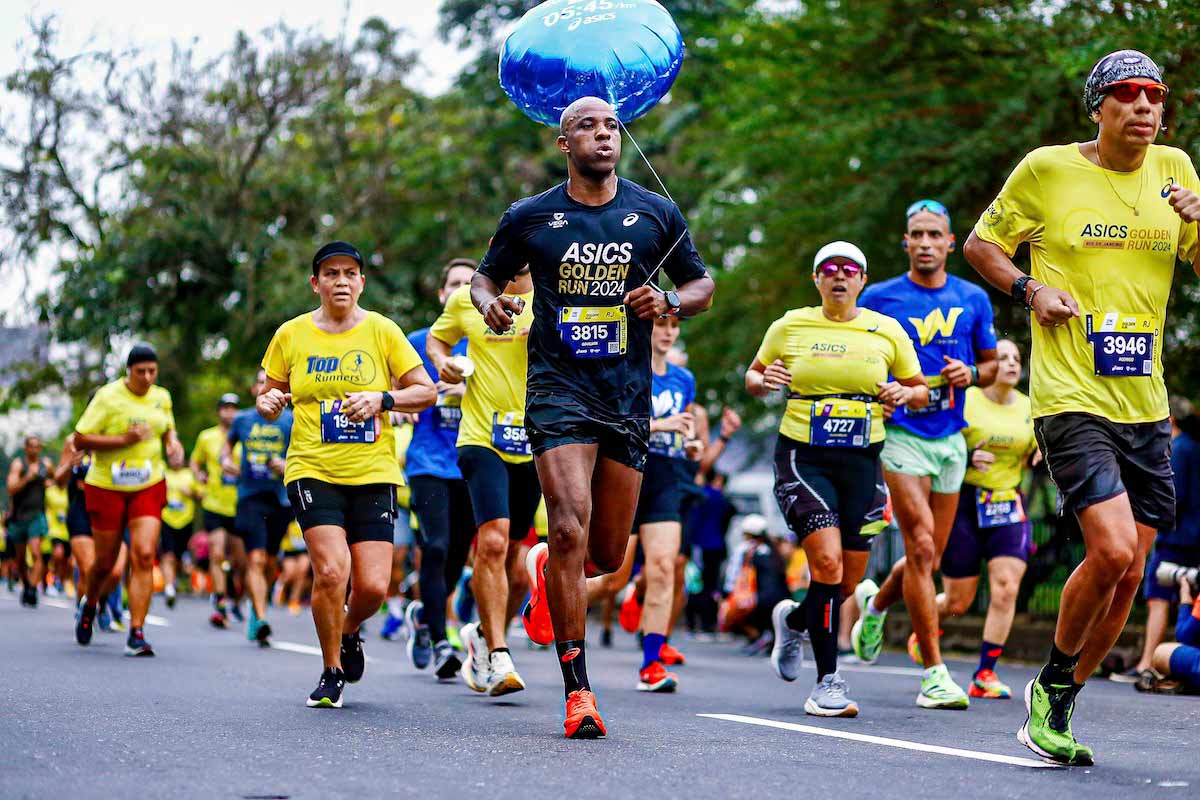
[1118, 265]
[321, 369]
[828, 359]
[1005, 431]
[220, 492]
[111, 412]
[493, 409]
[181, 507]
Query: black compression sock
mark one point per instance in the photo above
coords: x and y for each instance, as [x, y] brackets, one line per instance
[797, 618]
[821, 609]
[573, 663]
[1059, 669]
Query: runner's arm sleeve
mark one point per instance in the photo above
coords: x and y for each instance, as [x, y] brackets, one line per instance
[448, 327]
[275, 362]
[1189, 248]
[683, 263]
[506, 254]
[772, 344]
[1017, 214]
[402, 357]
[905, 363]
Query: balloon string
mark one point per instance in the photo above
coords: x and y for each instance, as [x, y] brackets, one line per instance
[650, 280]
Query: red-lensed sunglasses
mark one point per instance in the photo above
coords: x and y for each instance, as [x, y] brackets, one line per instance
[830, 268]
[1128, 91]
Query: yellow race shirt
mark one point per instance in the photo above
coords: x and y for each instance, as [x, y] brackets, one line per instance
[181, 506]
[1005, 431]
[321, 369]
[1086, 240]
[220, 492]
[493, 409]
[113, 409]
[829, 359]
[56, 512]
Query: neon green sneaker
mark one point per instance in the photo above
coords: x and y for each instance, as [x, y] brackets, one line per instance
[454, 639]
[1084, 757]
[867, 633]
[1047, 728]
[938, 690]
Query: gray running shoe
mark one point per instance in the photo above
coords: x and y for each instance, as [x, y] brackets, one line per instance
[828, 699]
[787, 654]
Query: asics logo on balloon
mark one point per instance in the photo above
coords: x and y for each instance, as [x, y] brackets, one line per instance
[558, 221]
[630, 220]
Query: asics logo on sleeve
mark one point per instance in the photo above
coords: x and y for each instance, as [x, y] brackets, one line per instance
[936, 323]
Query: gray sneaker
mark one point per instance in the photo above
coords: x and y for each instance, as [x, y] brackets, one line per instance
[787, 654]
[420, 642]
[828, 699]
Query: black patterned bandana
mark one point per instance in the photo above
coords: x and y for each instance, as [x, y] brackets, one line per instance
[1119, 66]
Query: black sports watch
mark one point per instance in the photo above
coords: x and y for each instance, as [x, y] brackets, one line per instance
[388, 401]
[1018, 289]
[673, 304]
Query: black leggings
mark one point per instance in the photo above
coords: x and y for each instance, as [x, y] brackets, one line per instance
[447, 526]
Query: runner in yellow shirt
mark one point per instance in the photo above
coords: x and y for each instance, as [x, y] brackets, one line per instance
[1105, 221]
[497, 464]
[182, 494]
[343, 367]
[56, 546]
[127, 426]
[834, 363]
[219, 504]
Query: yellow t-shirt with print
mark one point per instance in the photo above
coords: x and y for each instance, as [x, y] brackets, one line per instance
[113, 409]
[220, 492]
[56, 512]
[1004, 431]
[321, 369]
[828, 359]
[493, 408]
[181, 507]
[1086, 240]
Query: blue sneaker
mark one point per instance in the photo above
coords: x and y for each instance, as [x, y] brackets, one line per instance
[420, 643]
[464, 600]
[104, 619]
[235, 611]
[252, 626]
[391, 628]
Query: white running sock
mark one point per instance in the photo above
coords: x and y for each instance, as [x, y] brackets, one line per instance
[871, 610]
[396, 606]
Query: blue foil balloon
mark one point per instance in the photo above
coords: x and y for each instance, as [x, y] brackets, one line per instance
[625, 51]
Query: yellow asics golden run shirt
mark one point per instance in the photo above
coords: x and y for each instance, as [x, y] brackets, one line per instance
[1086, 240]
[56, 512]
[111, 412]
[220, 492]
[493, 409]
[1004, 431]
[181, 508]
[321, 369]
[831, 360]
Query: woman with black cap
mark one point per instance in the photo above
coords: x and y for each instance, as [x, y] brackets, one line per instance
[343, 367]
[126, 427]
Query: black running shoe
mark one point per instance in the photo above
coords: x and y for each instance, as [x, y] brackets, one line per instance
[446, 662]
[29, 596]
[263, 633]
[136, 645]
[606, 637]
[354, 662]
[85, 619]
[328, 693]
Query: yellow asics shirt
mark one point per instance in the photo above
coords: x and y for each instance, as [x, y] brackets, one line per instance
[220, 492]
[181, 508]
[56, 512]
[111, 412]
[1086, 240]
[828, 359]
[1005, 431]
[493, 409]
[321, 369]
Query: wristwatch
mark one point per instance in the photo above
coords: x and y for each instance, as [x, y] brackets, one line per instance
[673, 304]
[1018, 289]
[388, 402]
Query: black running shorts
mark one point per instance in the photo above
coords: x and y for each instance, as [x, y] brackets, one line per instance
[500, 490]
[1092, 459]
[262, 522]
[214, 521]
[366, 513]
[661, 497]
[827, 487]
[553, 420]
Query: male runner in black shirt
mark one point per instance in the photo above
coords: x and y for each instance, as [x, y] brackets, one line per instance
[594, 245]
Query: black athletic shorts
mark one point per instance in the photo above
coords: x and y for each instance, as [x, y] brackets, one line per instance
[1091, 459]
[661, 498]
[174, 540]
[367, 513]
[553, 420]
[827, 487]
[500, 490]
[262, 522]
[214, 521]
[78, 521]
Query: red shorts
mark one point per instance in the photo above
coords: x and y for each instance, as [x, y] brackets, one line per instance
[111, 510]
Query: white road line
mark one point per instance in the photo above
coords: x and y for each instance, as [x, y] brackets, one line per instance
[920, 747]
[304, 649]
[58, 602]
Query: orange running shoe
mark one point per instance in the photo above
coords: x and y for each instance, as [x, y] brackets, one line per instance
[670, 657]
[630, 615]
[914, 648]
[655, 678]
[583, 718]
[985, 684]
[536, 614]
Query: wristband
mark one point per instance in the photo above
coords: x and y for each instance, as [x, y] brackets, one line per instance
[1017, 290]
[724, 438]
[974, 374]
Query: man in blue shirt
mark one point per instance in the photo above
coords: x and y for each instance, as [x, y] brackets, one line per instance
[925, 457]
[263, 509]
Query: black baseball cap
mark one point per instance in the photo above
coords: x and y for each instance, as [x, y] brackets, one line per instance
[336, 248]
[140, 354]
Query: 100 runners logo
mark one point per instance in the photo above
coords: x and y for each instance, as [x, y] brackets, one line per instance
[355, 367]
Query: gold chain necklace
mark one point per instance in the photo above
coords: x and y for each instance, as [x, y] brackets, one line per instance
[1104, 172]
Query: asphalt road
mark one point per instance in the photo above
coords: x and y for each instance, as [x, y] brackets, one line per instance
[214, 716]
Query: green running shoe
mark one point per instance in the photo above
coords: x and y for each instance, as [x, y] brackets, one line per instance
[940, 691]
[867, 633]
[1047, 728]
[1084, 757]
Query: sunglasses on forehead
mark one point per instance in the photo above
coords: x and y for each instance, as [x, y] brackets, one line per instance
[927, 205]
[1128, 91]
[830, 268]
